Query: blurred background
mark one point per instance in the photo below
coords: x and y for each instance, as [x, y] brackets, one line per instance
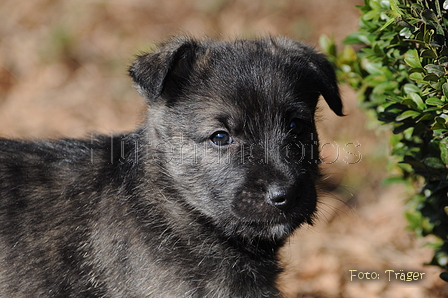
[63, 72]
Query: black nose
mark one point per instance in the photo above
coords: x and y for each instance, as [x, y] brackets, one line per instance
[282, 197]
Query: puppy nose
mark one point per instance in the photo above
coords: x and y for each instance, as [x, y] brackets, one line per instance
[281, 197]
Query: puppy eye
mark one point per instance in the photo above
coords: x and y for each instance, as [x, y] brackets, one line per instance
[221, 138]
[296, 126]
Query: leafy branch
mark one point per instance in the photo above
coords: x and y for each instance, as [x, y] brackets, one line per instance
[401, 73]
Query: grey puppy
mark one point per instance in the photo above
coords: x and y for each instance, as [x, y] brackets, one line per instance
[194, 203]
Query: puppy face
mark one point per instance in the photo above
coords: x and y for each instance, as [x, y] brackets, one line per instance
[231, 128]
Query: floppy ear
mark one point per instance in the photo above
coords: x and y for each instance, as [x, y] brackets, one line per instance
[327, 82]
[318, 67]
[151, 71]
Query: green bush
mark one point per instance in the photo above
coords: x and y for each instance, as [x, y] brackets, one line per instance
[400, 73]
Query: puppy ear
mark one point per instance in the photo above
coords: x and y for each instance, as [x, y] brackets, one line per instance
[327, 82]
[318, 67]
[151, 71]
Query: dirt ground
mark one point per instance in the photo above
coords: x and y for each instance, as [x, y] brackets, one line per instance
[63, 72]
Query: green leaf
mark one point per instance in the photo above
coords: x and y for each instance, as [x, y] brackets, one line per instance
[372, 15]
[438, 10]
[435, 69]
[439, 29]
[407, 114]
[443, 145]
[327, 45]
[406, 32]
[425, 116]
[417, 77]
[353, 39]
[365, 39]
[387, 24]
[429, 53]
[348, 54]
[385, 86]
[445, 89]
[410, 103]
[372, 67]
[394, 6]
[393, 180]
[440, 120]
[413, 59]
[414, 219]
[439, 124]
[431, 78]
[434, 163]
[418, 100]
[411, 88]
[434, 101]
[428, 110]
[432, 109]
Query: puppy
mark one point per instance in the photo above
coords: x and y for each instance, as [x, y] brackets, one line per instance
[195, 202]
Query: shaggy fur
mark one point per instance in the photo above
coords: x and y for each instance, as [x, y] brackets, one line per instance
[194, 203]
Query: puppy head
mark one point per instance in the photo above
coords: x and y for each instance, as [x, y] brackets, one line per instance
[232, 127]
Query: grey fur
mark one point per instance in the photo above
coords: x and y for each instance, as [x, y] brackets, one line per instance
[194, 203]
